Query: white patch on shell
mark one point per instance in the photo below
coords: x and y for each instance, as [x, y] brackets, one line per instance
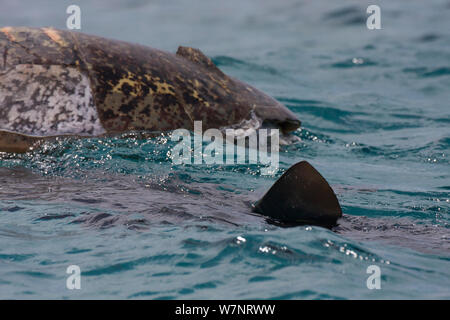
[47, 100]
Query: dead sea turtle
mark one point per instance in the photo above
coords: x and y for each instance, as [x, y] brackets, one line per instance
[55, 83]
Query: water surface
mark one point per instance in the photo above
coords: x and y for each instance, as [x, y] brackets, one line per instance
[375, 115]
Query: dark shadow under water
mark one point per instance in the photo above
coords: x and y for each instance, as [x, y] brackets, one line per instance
[137, 203]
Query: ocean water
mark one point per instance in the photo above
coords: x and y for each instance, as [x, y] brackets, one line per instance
[375, 112]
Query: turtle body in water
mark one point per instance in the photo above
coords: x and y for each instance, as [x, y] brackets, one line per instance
[58, 83]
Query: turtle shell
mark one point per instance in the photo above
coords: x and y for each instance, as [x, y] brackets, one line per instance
[55, 82]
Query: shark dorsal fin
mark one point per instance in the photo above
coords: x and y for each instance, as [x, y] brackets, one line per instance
[196, 56]
[301, 196]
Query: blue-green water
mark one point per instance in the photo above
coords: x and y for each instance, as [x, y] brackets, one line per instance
[375, 111]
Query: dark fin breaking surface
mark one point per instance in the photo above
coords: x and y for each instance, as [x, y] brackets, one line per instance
[301, 196]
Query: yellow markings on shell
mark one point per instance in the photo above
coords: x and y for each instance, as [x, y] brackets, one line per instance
[196, 96]
[223, 83]
[136, 85]
[150, 78]
[6, 31]
[161, 87]
[164, 88]
[54, 35]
